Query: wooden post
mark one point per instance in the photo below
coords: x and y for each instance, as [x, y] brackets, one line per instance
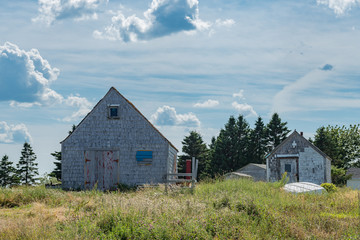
[166, 183]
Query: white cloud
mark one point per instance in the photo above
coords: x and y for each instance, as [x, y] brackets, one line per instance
[52, 10]
[164, 17]
[14, 133]
[339, 6]
[25, 81]
[167, 116]
[240, 94]
[25, 76]
[207, 104]
[244, 109]
[225, 23]
[82, 103]
[315, 91]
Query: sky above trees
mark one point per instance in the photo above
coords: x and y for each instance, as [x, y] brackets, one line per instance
[185, 64]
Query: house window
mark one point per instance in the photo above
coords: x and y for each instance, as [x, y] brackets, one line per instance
[144, 157]
[113, 111]
[288, 168]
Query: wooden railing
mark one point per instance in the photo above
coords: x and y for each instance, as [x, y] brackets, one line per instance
[174, 177]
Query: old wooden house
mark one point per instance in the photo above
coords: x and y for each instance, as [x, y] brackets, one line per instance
[115, 144]
[302, 161]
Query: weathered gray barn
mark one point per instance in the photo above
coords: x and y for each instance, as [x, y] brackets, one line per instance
[115, 144]
[354, 181]
[302, 161]
[257, 172]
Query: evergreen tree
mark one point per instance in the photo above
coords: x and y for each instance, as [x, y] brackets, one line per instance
[229, 151]
[27, 168]
[258, 142]
[194, 146]
[7, 172]
[57, 171]
[73, 127]
[225, 149]
[243, 142]
[276, 131]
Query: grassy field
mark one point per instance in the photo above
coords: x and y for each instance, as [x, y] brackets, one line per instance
[234, 209]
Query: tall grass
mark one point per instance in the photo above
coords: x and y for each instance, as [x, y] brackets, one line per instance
[233, 209]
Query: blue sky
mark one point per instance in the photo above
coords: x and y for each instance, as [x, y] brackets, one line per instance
[185, 64]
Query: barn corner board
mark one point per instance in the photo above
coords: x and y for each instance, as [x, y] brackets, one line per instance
[115, 144]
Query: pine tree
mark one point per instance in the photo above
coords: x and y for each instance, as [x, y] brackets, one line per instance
[229, 151]
[242, 138]
[57, 171]
[194, 146]
[7, 172]
[258, 142]
[225, 149]
[27, 168]
[276, 131]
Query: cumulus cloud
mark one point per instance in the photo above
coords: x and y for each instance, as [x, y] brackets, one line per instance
[26, 77]
[164, 17]
[244, 109]
[207, 104]
[52, 10]
[14, 133]
[339, 7]
[240, 94]
[167, 116]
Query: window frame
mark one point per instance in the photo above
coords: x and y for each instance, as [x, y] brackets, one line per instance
[112, 106]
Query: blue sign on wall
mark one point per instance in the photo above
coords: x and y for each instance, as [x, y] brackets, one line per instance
[144, 157]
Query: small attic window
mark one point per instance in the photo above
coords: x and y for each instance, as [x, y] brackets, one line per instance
[113, 111]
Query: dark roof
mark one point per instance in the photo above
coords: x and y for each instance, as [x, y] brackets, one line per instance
[354, 171]
[113, 88]
[307, 141]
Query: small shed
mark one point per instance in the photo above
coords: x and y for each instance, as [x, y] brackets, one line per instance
[115, 144]
[302, 161]
[257, 172]
[354, 181]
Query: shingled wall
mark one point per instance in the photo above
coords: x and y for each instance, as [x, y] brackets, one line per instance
[128, 134]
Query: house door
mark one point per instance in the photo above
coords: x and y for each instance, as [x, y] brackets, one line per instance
[290, 166]
[101, 168]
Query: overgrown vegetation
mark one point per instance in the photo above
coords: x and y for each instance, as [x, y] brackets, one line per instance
[234, 209]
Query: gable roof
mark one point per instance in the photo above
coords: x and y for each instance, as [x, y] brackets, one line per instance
[295, 133]
[354, 171]
[132, 105]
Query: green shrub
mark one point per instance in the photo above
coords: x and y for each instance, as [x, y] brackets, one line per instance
[329, 187]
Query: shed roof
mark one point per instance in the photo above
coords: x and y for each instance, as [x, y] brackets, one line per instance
[114, 89]
[354, 171]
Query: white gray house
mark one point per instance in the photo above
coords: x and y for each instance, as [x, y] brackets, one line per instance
[114, 144]
[302, 161]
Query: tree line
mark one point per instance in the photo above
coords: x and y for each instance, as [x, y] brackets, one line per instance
[25, 171]
[236, 145]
